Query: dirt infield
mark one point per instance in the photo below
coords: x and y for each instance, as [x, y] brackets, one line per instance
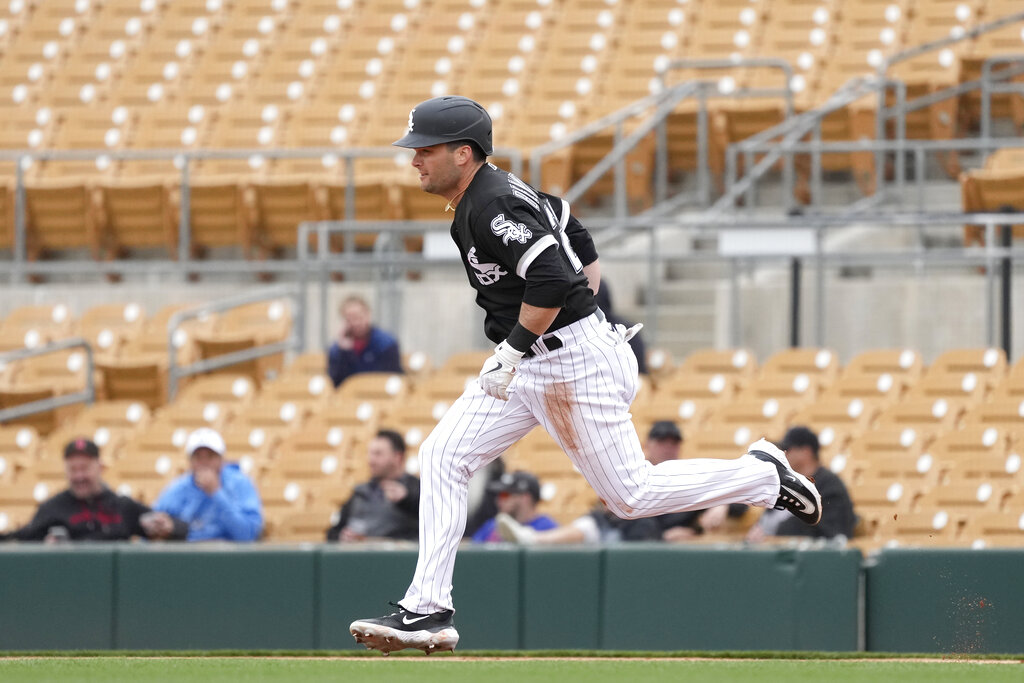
[952, 659]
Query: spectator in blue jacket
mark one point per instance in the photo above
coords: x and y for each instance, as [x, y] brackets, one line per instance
[215, 499]
[360, 346]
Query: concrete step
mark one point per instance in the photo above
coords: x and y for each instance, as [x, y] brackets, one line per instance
[680, 345]
[689, 318]
[681, 291]
[695, 293]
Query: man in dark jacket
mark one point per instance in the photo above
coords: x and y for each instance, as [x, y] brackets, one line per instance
[89, 511]
[360, 346]
[388, 505]
[837, 515]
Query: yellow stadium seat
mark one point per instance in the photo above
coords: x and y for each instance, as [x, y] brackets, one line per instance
[62, 217]
[280, 207]
[108, 327]
[303, 526]
[19, 447]
[138, 216]
[134, 379]
[222, 389]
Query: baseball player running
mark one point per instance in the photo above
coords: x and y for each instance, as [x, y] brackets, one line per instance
[557, 363]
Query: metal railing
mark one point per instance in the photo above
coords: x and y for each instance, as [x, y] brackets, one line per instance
[902, 107]
[621, 145]
[295, 341]
[184, 159]
[793, 143]
[992, 256]
[788, 138]
[652, 113]
[714, 90]
[86, 395]
[776, 143]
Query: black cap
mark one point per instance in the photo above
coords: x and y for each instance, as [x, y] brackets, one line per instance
[81, 446]
[664, 429]
[516, 482]
[800, 436]
[450, 118]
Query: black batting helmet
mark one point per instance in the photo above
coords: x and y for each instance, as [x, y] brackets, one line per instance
[448, 119]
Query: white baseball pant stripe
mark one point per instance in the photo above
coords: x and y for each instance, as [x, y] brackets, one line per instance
[581, 395]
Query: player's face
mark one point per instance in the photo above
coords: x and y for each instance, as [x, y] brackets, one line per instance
[357, 320]
[438, 172]
[801, 458]
[205, 458]
[517, 505]
[384, 462]
[84, 475]
[660, 450]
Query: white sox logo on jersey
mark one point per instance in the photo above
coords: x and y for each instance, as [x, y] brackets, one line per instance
[507, 230]
[487, 273]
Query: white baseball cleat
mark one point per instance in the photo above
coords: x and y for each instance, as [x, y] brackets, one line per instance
[404, 629]
[797, 493]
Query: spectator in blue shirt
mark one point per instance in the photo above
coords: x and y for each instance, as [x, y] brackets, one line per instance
[518, 495]
[215, 499]
[361, 347]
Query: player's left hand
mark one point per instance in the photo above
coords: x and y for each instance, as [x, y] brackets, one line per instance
[497, 372]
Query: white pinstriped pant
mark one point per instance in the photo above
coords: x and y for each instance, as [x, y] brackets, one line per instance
[581, 395]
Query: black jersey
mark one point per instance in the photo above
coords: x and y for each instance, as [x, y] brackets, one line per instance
[104, 517]
[520, 245]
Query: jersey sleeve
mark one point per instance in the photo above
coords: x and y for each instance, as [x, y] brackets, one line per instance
[514, 232]
[579, 237]
[519, 237]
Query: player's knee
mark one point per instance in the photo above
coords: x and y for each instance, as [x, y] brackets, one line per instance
[627, 507]
[428, 454]
[434, 457]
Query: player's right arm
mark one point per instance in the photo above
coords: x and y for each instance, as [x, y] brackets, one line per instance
[526, 243]
[579, 239]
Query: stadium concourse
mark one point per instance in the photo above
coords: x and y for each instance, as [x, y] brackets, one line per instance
[931, 454]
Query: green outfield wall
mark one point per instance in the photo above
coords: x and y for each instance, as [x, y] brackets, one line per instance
[638, 597]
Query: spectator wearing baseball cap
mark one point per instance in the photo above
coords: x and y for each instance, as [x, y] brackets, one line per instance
[663, 443]
[215, 499]
[518, 494]
[837, 516]
[89, 511]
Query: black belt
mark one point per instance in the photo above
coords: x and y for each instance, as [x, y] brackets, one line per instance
[551, 342]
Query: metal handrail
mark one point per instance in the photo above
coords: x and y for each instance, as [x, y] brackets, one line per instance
[295, 341]
[933, 45]
[703, 182]
[879, 83]
[988, 87]
[624, 145]
[791, 130]
[883, 86]
[184, 157]
[616, 157]
[990, 256]
[919, 148]
[86, 395]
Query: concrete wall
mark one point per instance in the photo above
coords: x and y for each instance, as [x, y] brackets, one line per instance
[931, 312]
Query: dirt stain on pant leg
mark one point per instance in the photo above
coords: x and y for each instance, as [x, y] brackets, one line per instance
[559, 402]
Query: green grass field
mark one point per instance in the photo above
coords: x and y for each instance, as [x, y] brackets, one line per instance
[472, 669]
